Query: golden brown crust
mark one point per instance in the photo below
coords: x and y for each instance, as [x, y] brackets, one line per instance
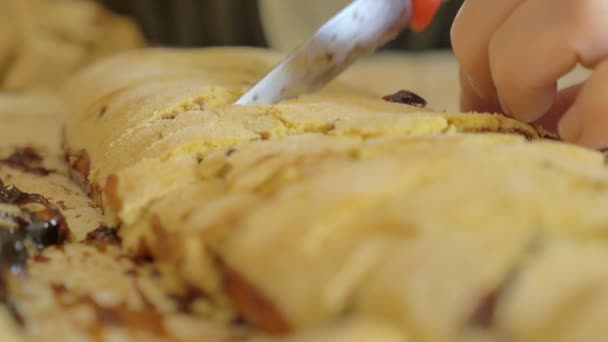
[333, 205]
[88, 288]
[257, 309]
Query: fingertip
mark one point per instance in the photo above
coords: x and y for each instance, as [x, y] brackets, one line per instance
[484, 88]
[564, 101]
[592, 133]
[570, 127]
[527, 106]
[470, 101]
[584, 128]
[586, 122]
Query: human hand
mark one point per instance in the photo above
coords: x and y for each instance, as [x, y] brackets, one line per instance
[513, 52]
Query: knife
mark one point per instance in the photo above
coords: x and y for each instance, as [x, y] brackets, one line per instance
[356, 31]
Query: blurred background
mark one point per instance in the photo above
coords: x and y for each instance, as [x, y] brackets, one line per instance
[44, 42]
[280, 24]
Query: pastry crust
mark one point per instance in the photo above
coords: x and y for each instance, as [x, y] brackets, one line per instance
[83, 286]
[334, 216]
[332, 204]
[159, 104]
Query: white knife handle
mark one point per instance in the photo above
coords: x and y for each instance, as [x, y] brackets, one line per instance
[356, 31]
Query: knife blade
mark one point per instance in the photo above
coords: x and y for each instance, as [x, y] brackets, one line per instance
[356, 31]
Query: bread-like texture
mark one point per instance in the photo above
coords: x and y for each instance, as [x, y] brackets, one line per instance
[338, 217]
[238, 200]
[89, 288]
[31, 157]
[312, 226]
[351, 329]
[146, 109]
[9, 332]
[96, 293]
[48, 40]
[338, 203]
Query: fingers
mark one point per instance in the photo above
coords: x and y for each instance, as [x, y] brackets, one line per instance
[562, 103]
[470, 101]
[471, 34]
[540, 42]
[586, 121]
[512, 52]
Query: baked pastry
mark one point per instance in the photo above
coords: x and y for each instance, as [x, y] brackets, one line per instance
[74, 281]
[155, 104]
[335, 216]
[46, 41]
[63, 273]
[340, 207]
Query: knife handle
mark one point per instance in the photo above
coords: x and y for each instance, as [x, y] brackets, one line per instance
[423, 12]
[356, 31]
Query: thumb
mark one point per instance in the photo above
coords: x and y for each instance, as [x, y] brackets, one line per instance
[586, 121]
[563, 102]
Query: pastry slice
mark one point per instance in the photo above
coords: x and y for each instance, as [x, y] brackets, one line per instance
[151, 109]
[307, 247]
[63, 273]
[338, 206]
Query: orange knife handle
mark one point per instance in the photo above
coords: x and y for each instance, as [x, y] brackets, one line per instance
[423, 13]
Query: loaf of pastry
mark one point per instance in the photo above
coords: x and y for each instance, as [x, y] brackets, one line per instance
[43, 42]
[64, 275]
[341, 210]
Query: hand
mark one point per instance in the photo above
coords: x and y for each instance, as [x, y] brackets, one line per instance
[513, 52]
